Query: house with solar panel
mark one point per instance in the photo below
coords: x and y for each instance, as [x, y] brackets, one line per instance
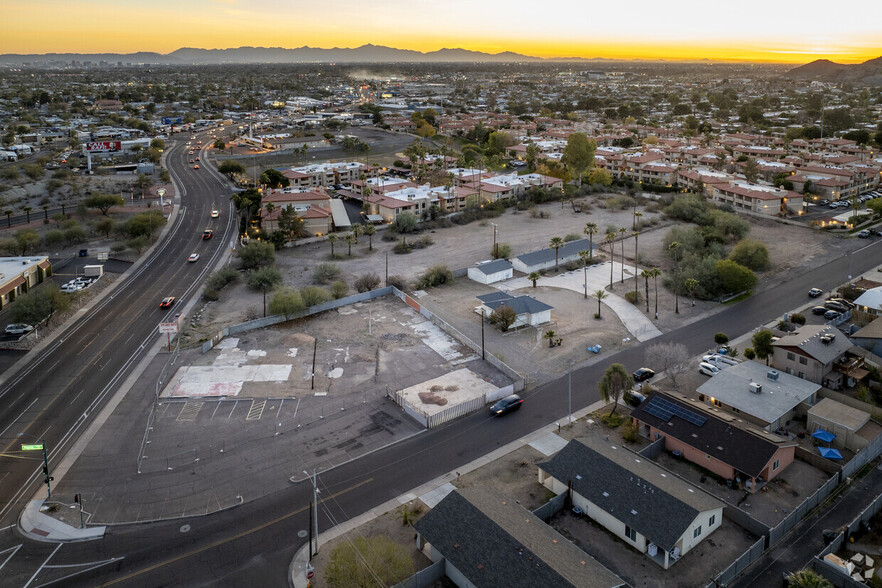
[746, 455]
[634, 498]
[487, 539]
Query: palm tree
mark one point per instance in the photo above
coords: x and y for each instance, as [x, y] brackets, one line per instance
[616, 380]
[807, 578]
[622, 232]
[611, 240]
[46, 212]
[357, 229]
[637, 215]
[556, 243]
[370, 231]
[654, 273]
[332, 238]
[585, 256]
[591, 230]
[27, 210]
[691, 284]
[550, 336]
[646, 275]
[8, 214]
[600, 295]
[534, 277]
[636, 274]
[674, 247]
[350, 238]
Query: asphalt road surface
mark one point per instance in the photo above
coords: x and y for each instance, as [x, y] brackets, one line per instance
[253, 544]
[56, 395]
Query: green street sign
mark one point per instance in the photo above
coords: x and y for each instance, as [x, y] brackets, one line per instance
[32, 447]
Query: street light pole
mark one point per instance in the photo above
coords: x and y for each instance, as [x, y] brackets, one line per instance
[313, 524]
[570, 392]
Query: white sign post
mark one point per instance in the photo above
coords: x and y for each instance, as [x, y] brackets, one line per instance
[169, 329]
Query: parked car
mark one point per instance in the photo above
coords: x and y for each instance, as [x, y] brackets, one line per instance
[643, 374]
[708, 369]
[635, 398]
[18, 329]
[167, 302]
[815, 292]
[842, 301]
[818, 310]
[835, 305]
[865, 234]
[832, 314]
[507, 404]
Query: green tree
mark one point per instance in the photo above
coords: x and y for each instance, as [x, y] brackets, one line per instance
[314, 295]
[807, 578]
[498, 142]
[264, 279]
[751, 254]
[157, 144]
[721, 338]
[219, 144]
[406, 222]
[332, 238]
[556, 243]
[734, 277]
[40, 305]
[231, 168]
[762, 344]
[257, 254]
[370, 231]
[273, 178]
[504, 317]
[578, 155]
[600, 176]
[600, 295]
[26, 240]
[534, 277]
[368, 562]
[615, 382]
[103, 202]
[691, 284]
[350, 238]
[286, 301]
[531, 156]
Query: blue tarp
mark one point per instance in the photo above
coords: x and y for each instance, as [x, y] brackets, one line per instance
[830, 453]
[823, 435]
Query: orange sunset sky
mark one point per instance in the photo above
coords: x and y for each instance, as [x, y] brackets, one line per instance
[750, 30]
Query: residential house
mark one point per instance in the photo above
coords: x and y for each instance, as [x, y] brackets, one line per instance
[529, 311]
[313, 208]
[870, 302]
[759, 394]
[715, 441]
[325, 174]
[488, 540]
[819, 354]
[870, 337]
[637, 500]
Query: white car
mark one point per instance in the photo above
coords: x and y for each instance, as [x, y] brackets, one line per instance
[708, 369]
[71, 288]
[18, 329]
[215, 213]
[193, 257]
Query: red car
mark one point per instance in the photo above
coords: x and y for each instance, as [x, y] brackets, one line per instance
[167, 302]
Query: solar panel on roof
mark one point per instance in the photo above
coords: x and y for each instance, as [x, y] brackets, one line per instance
[665, 409]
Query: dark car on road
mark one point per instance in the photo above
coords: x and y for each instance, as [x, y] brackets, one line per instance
[507, 404]
[167, 302]
[207, 234]
[643, 374]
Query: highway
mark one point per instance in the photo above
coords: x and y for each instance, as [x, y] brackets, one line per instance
[63, 386]
[254, 543]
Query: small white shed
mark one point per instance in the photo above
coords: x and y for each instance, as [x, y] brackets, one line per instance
[489, 272]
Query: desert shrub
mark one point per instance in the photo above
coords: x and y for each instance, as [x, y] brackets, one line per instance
[221, 278]
[339, 289]
[313, 295]
[402, 247]
[629, 432]
[325, 273]
[536, 213]
[751, 254]
[573, 265]
[633, 297]
[572, 237]
[434, 276]
[503, 317]
[797, 319]
[406, 222]
[749, 353]
[503, 250]
[367, 282]
[398, 282]
[421, 242]
[54, 238]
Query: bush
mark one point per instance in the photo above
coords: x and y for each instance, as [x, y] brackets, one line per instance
[434, 276]
[367, 282]
[325, 273]
[313, 295]
[572, 237]
[751, 254]
[406, 222]
[503, 251]
[749, 353]
[573, 265]
[797, 319]
[402, 247]
[421, 242]
[630, 432]
[398, 282]
[257, 254]
[633, 297]
[339, 289]
[220, 279]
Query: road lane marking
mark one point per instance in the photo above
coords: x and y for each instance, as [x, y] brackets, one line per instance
[43, 565]
[235, 537]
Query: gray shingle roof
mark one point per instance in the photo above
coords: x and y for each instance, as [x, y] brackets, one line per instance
[494, 542]
[520, 304]
[569, 249]
[494, 296]
[746, 452]
[491, 267]
[630, 488]
[808, 340]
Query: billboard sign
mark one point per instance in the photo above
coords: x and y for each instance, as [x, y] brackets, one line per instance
[103, 146]
[171, 328]
[172, 120]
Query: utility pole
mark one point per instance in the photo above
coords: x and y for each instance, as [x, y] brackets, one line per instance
[313, 523]
[483, 356]
[495, 246]
[387, 268]
[570, 392]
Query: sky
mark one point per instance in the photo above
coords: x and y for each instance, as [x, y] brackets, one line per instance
[749, 30]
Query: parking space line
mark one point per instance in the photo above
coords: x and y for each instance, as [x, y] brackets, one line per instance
[235, 404]
[256, 410]
[189, 411]
[217, 406]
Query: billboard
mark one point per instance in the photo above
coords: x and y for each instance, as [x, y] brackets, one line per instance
[168, 328]
[172, 120]
[103, 146]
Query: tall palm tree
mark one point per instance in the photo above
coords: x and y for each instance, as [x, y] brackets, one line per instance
[8, 214]
[350, 238]
[611, 240]
[646, 275]
[636, 269]
[27, 210]
[654, 273]
[585, 256]
[622, 232]
[591, 230]
[600, 295]
[357, 229]
[691, 284]
[556, 243]
[637, 215]
[332, 238]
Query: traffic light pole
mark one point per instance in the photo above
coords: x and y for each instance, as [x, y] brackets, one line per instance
[47, 477]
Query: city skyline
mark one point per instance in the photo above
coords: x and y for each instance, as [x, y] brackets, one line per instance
[679, 30]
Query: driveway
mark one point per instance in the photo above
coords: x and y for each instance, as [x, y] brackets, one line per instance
[597, 277]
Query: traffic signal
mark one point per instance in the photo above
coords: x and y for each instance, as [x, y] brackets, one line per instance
[76, 498]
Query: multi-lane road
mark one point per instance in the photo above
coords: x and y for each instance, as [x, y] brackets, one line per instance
[63, 386]
[253, 544]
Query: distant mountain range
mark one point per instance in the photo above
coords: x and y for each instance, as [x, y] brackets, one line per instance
[363, 54]
[824, 70]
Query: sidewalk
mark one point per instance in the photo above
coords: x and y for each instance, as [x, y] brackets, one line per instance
[37, 525]
[635, 321]
[436, 489]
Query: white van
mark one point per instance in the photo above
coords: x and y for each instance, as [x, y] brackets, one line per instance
[708, 369]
